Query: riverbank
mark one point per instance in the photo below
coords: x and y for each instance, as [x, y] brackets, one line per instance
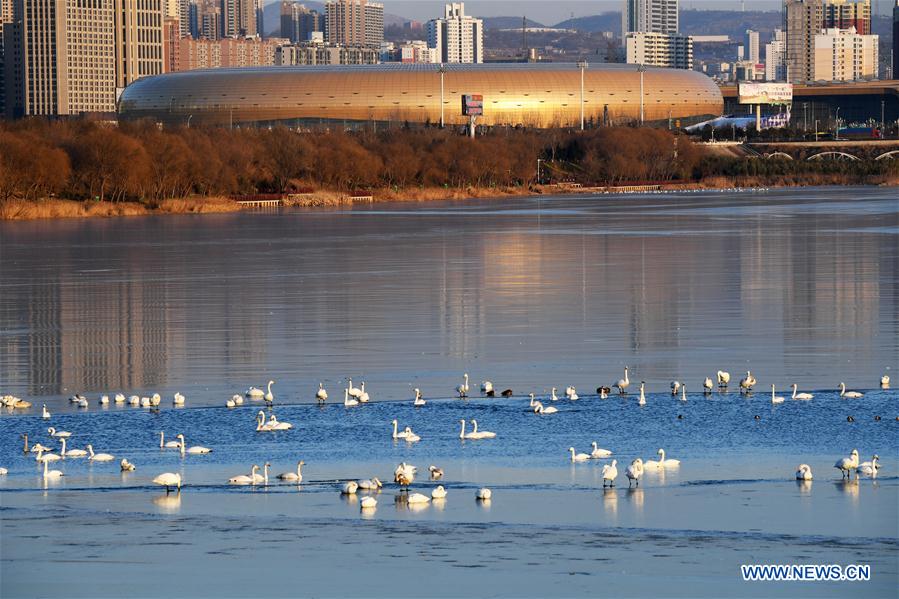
[55, 208]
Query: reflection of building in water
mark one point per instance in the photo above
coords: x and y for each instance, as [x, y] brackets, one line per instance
[460, 301]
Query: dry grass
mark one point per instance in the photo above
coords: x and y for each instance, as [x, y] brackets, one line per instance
[56, 208]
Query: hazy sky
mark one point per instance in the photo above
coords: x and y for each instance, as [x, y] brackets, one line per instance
[549, 11]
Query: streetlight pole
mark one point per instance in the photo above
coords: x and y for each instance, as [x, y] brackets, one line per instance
[642, 69]
[816, 129]
[582, 65]
[882, 121]
[442, 70]
[836, 131]
[539, 160]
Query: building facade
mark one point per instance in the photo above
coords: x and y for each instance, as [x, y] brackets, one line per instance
[354, 23]
[410, 52]
[138, 40]
[649, 16]
[844, 55]
[298, 22]
[317, 54]
[751, 46]
[226, 52]
[456, 37]
[775, 57]
[659, 50]
[238, 18]
[805, 19]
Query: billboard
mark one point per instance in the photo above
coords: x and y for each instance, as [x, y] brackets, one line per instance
[472, 105]
[766, 93]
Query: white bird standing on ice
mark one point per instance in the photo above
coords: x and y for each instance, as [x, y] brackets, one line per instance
[610, 473]
[707, 385]
[321, 396]
[885, 382]
[634, 472]
[178, 400]
[462, 389]
[847, 465]
[723, 379]
[269, 397]
[624, 383]
[168, 480]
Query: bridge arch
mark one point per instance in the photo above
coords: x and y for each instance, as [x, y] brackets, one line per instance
[833, 156]
[886, 155]
[778, 155]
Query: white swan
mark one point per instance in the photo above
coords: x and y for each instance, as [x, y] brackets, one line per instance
[72, 453]
[438, 493]
[552, 395]
[370, 484]
[399, 435]
[487, 388]
[419, 400]
[747, 382]
[804, 472]
[276, 425]
[104, 400]
[849, 394]
[723, 378]
[624, 383]
[353, 391]
[368, 503]
[230, 403]
[163, 444]
[237, 398]
[462, 390]
[869, 468]
[683, 392]
[269, 397]
[435, 472]
[178, 400]
[675, 387]
[119, 398]
[261, 425]
[571, 393]
[134, 400]
[578, 457]
[775, 398]
[707, 385]
[349, 488]
[410, 436]
[610, 473]
[99, 457]
[800, 396]
[463, 434]
[243, 479]
[196, 449]
[168, 480]
[642, 400]
[484, 494]
[45, 414]
[634, 472]
[847, 465]
[661, 462]
[363, 394]
[4, 471]
[418, 498]
[294, 476]
[126, 466]
[885, 382]
[50, 473]
[598, 452]
[255, 393]
[321, 396]
[46, 457]
[347, 402]
[404, 474]
[61, 434]
[146, 402]
[481, 434]
[262, 478]
[539, 409]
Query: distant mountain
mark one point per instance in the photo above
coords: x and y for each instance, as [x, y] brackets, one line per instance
[607, 21]
[733, 23]
[508, 23]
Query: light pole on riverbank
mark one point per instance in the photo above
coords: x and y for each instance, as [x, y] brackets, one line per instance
[641, 69]
[582, 65]
[442, 70]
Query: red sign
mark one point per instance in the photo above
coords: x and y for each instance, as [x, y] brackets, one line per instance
[472, 105]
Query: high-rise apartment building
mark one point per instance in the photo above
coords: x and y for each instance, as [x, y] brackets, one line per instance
[6, 9]
[649, 16]
[894, 65]
[298, 22]
[138, 39]
[659, 50]
[238, 18]
[775, 57]
[354, 23]
[751, 46]
[458, 38]
[844, 55]
[804, 19]
[205, 19]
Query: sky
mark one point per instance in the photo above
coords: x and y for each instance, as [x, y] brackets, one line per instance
[550, 12]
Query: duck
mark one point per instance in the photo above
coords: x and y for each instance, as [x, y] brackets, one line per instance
[168, 480]
[775, 398]
[45, 413]
[624, 383]
[363, 395]
[99, 457]
[603, 392]
[539, 409]
[487, 388]
[243, 479]
[747, 382]
[484, 494]
[707, 385]
[578, 457]
[642, 400]
[50, 473]
[349, 488]
[72, 453]
[885, 382]
[723, 379]
[321, 396]
[463, 434]
[370, 484]
[849, 394]
[571, 393]
[462, 390]
[435, 472]
[598, 452]
[404, 474]
[60, 434]
[349, 402]
[163, 444]
[294, 476]
[196, 449]
[675, 387]
[869, 468]
[368, 503]
[634, 472]
[801, 396]
[126, 466]
[610, 473]
[847, 465]
[178, 399]
[507, 393]
[481, 434]
[419, 400]
[438, 493]
[354, 392]
[804, 472]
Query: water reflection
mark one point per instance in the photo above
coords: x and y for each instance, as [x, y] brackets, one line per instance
[610, 501]
[169, 503]
[635, 498]
[105, 305]
[805, 487]
[850, 489]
